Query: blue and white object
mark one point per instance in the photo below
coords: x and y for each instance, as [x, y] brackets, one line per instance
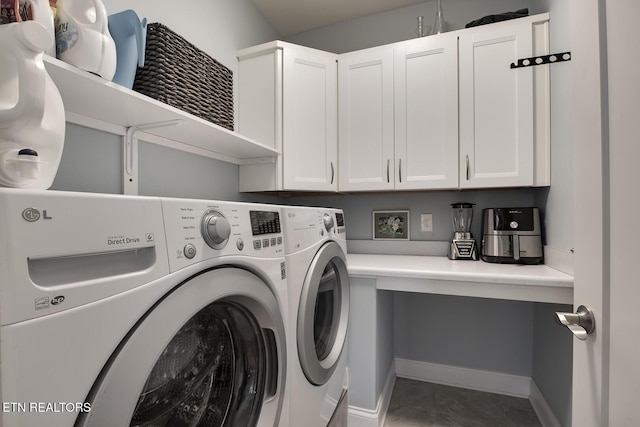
[130, 36]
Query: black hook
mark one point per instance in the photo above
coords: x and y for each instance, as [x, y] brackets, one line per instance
[544, 59]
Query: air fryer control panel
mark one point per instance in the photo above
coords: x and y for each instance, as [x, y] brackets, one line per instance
[516, 219]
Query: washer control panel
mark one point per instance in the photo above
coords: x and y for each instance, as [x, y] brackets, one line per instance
[198, 230]
[215, 229]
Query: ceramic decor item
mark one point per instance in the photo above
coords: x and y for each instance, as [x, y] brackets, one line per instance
[29, 10]
[32, 118]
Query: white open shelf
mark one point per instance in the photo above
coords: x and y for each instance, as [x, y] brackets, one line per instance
[89, 98]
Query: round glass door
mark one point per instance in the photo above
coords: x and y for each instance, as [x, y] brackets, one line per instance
[210, 353]
[323, 314]
[325, 320]
[201, 375]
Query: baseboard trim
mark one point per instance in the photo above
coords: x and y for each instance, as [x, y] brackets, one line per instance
[540, 405]
[385, 396]
[493, 382]
[362, 417]
[475, 379]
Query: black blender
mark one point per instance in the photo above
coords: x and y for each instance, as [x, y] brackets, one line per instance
[463, 245]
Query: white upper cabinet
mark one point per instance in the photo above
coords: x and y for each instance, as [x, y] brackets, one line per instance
[426, 113]
[287, 98]
[502, 142]
[365, 99]
[438, 112]
[398, 109]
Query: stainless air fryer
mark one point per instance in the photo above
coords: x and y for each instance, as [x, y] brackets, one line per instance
[511, 235]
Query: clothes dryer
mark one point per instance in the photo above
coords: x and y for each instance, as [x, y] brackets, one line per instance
[120, 310]
[315, 248]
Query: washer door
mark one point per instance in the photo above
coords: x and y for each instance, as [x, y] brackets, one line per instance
[323, 314]
[208, 354]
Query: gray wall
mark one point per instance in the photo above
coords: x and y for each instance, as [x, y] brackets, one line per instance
[476, 333]
[401, 24]
[358, 208]
[552, 360]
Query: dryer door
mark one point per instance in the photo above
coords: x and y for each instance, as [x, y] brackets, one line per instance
[323, 314]
[208, 354]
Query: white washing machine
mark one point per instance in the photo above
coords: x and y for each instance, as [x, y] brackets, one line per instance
[315, 248]
[119, 311]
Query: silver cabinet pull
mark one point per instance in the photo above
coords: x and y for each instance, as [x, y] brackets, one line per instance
[332, 173]
[400, 170]
[467, 162]
[388, 177]
[581, 323]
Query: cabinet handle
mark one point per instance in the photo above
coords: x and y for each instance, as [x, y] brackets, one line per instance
[332, 173]
[388, 177]
[467, 161]
[400, 170]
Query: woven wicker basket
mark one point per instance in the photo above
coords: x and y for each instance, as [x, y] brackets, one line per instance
[181, 75]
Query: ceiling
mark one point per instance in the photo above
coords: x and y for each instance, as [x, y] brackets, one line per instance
[295, 16]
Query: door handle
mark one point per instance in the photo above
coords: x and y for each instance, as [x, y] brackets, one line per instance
[388, 177]
[400, 170]
[332, 173]
[581, 323]
[467, 164]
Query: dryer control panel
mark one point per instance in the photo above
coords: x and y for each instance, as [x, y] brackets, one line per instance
[306, 226]
[198, 230]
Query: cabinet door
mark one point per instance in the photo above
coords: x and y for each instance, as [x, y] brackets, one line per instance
[426, 113]
[365, 87]
[496, 106]
[309, 120]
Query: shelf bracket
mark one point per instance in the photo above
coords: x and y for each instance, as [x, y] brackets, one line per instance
[130, 153]
[541, 60]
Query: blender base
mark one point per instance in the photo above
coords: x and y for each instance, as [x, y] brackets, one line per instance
[463, 249]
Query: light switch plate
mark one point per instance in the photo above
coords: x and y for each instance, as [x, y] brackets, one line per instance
[426, 222]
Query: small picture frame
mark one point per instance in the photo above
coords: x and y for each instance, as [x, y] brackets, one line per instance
[391, 225]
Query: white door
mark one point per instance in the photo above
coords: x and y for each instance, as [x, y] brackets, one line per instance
[365, 87]
[426, 113]
[624, 150]
[606, 377]
[496, 106]
[310, 120]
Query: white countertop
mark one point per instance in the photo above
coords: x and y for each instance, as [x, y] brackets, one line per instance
[440, 275]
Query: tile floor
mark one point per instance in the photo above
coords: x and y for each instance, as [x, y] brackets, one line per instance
[417, 403]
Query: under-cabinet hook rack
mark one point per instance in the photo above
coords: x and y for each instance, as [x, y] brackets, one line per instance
[543, 59]
[131, 153]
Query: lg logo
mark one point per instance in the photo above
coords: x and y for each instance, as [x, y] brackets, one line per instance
[33, 214]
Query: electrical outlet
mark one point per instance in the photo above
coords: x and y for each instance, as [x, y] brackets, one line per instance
[426, 222]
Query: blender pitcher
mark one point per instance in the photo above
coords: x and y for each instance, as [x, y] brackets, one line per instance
[462, 214]
[463, 245]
